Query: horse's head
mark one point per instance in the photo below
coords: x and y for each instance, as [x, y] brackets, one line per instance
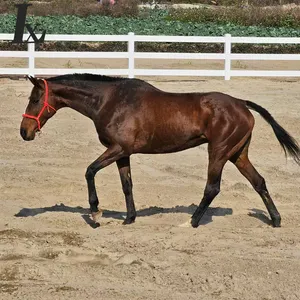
[38, 110]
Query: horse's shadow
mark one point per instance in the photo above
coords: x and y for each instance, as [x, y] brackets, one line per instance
[260, 215]
[152, 210]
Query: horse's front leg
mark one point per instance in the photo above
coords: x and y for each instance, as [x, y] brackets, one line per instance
[112, 154]
[125, 175]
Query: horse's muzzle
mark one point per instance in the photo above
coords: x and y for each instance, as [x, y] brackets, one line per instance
[25, 136]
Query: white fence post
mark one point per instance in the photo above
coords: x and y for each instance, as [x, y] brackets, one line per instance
[31, 59]
[227, 52]
[131, 54]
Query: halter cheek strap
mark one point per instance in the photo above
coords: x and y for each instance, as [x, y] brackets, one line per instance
[46, 105]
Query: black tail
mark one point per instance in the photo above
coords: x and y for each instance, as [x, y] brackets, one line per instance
[287, 142]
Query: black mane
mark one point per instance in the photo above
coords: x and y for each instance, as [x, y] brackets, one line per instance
[73, 79]
[85, 77]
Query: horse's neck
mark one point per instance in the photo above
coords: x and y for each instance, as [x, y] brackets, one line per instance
[80, 100]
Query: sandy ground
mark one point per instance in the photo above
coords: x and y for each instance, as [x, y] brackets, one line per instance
[48, 250]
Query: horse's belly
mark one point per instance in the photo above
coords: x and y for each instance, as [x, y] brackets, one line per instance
[169, 144]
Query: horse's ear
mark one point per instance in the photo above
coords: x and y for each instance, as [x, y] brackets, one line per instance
[35, 81]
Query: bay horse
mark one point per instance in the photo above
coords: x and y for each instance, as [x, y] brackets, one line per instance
[132, 116]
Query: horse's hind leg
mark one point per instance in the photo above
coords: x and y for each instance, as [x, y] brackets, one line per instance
[212, 189]
[125, 175]
[244, 165]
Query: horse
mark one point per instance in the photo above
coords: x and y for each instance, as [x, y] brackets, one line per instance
[132, 116]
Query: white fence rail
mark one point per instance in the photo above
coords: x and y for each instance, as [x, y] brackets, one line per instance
[131, 55]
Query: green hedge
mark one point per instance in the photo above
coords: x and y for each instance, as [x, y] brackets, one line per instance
[148, 24]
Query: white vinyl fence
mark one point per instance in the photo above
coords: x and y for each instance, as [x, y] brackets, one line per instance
[131, 55]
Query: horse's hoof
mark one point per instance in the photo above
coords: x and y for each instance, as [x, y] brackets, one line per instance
[276, 222]
[195, 223]
[128, 221]
[97, 215]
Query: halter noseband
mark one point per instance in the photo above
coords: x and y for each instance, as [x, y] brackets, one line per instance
[46, 105]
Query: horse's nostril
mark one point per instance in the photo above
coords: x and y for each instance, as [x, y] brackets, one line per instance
[23, 133]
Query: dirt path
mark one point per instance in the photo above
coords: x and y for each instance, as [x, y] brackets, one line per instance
[48, 251]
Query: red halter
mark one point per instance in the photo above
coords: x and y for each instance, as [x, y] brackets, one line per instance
[46, 105]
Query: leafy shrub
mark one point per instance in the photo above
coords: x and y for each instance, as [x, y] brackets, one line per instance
[78, 8]
[154, 23]
[248, 16]
[6, 6]
[272, 2]
[228, 2]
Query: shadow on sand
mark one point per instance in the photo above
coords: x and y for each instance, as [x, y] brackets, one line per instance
[152, 210]
[260, 215]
